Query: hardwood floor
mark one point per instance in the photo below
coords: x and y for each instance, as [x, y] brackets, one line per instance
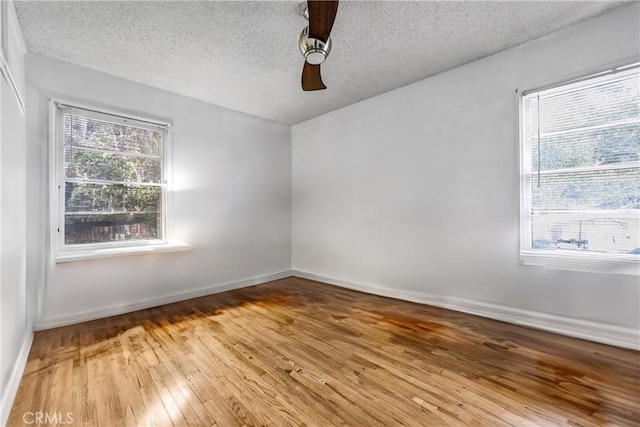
[298, 352]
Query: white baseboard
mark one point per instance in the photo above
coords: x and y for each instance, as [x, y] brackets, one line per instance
[141, 305]
[9, 392]
[593, 331]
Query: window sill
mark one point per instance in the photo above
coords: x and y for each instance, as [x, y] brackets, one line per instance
[88, 254]
[586, 262]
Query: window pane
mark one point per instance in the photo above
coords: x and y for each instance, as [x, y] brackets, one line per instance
[618, 144]
[81, 228]
[617, 232]
[113, 177]
[111, 198]
[80, 163]
[582, 145]
[92, 133]
[599, 189]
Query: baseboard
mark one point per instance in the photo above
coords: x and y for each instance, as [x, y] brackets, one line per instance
[592, 331]
[141, 305]
[9, 392]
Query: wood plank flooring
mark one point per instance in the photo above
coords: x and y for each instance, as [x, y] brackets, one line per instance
[297, 352]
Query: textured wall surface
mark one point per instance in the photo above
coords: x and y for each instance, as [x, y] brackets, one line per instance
[244, 55]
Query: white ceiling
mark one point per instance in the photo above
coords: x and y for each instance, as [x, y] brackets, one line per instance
[243, 55]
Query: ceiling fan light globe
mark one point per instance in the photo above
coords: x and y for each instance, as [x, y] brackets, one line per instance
[315, 57]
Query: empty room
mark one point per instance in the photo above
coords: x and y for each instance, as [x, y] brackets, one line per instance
[319, 213]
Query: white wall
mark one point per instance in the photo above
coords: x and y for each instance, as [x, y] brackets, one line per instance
[15, 327]
[232, 199]
[12, 250]
[415, 193]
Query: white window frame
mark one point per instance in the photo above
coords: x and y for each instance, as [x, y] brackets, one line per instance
[65, 253]
[592, 262]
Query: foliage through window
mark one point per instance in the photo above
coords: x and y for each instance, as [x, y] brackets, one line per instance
[111, 178]
[581, 165]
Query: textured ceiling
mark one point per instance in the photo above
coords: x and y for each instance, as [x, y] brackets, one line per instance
[244, 55]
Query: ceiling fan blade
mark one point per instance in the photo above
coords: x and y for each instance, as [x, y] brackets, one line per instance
[311, 79]
[322, 14]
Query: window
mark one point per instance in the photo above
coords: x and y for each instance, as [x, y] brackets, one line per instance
[110, 193]
[580, 180]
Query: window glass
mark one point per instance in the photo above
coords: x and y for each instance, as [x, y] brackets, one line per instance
[581, 166]
[112, 178]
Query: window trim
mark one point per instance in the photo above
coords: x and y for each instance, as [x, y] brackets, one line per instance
[592, 262]
[66, 253]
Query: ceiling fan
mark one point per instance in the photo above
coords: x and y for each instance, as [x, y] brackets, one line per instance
[315, 43]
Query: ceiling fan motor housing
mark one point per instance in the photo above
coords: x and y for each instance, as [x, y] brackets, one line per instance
[315, 51]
